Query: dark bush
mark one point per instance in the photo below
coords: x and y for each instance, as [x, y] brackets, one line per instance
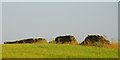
[68, 39]
[95, 40]
[29, 40]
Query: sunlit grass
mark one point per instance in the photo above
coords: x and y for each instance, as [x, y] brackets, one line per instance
[0, 51]
[56, 51]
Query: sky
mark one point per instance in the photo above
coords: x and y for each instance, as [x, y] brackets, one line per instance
[59, 0]
[48, 20]
[0, 23]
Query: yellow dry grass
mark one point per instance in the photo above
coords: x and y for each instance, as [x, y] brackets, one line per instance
[112, 45]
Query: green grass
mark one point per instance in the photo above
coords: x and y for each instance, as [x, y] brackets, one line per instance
[56, 51]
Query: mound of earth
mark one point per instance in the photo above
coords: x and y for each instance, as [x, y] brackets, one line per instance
[29, 40]
[68, 39]
[95, 40]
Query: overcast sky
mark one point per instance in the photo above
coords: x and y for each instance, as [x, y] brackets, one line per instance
[48, 20]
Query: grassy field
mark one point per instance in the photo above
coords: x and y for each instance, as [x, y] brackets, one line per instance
[56, 51]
